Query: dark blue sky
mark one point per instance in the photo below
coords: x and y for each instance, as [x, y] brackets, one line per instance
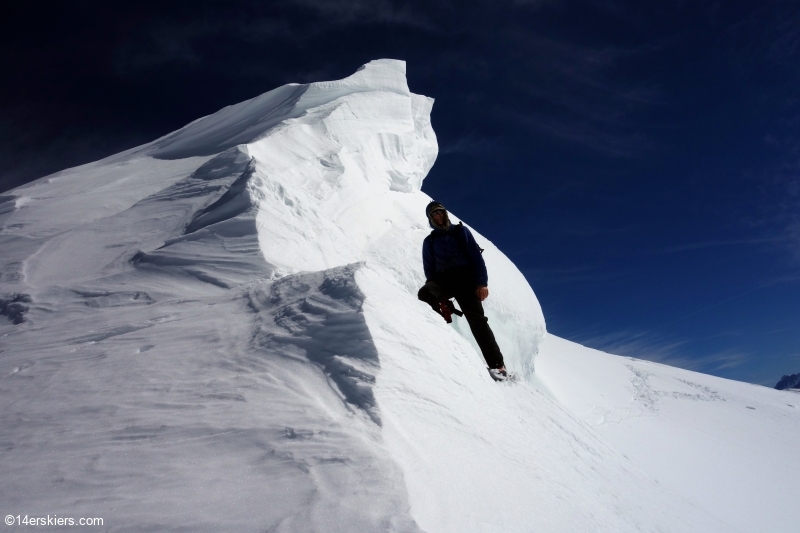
[639, 161]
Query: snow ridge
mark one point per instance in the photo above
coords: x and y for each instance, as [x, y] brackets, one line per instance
[148, 272]
[219, 331]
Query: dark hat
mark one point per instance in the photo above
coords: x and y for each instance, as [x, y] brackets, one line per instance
[433, 206]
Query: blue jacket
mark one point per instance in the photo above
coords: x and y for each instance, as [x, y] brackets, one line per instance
[441, 250]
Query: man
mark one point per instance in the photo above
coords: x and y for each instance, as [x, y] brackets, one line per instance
[454, 268]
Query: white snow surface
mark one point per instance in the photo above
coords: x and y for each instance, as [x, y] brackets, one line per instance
[219, 331]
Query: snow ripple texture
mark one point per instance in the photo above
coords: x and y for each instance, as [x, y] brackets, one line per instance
[219, 331]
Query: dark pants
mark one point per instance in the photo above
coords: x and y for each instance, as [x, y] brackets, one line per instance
[460, 284]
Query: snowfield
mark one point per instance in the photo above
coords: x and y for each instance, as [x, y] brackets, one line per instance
[219, 331]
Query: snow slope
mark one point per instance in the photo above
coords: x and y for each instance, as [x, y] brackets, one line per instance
[219, 331]
[728, 446]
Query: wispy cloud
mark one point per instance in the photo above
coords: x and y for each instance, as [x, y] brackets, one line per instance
[575, 94]
[767, 37]
[790, 277]
[654, 347]
[575, 226]
[194, 41]
[692, 246]
[471, 144]
[776, 214]
[577, 274]
[534, 3]
[590, 132]
[368, 11]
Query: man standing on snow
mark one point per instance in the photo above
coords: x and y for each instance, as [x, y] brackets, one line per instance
[454, 268]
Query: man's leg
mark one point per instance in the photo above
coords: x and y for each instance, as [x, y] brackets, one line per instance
[473, 311]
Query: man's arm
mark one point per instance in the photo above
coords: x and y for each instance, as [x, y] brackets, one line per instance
[475, 257]
[428, 261]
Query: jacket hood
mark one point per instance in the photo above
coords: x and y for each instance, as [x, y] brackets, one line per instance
[435, 206]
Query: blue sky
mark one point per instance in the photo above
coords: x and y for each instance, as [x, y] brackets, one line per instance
[639, 161]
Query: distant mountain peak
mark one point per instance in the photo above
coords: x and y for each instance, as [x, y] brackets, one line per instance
[789, 382]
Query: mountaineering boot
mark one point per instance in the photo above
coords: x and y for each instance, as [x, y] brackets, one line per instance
[445, 311]
[453, 309]
[498, 374]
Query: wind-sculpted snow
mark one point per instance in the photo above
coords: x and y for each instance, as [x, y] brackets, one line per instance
[217, 240]
[219, 331]
[201, 414]
[320, 313]
[247, 121]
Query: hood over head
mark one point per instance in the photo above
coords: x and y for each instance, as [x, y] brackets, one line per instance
[437, 206]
